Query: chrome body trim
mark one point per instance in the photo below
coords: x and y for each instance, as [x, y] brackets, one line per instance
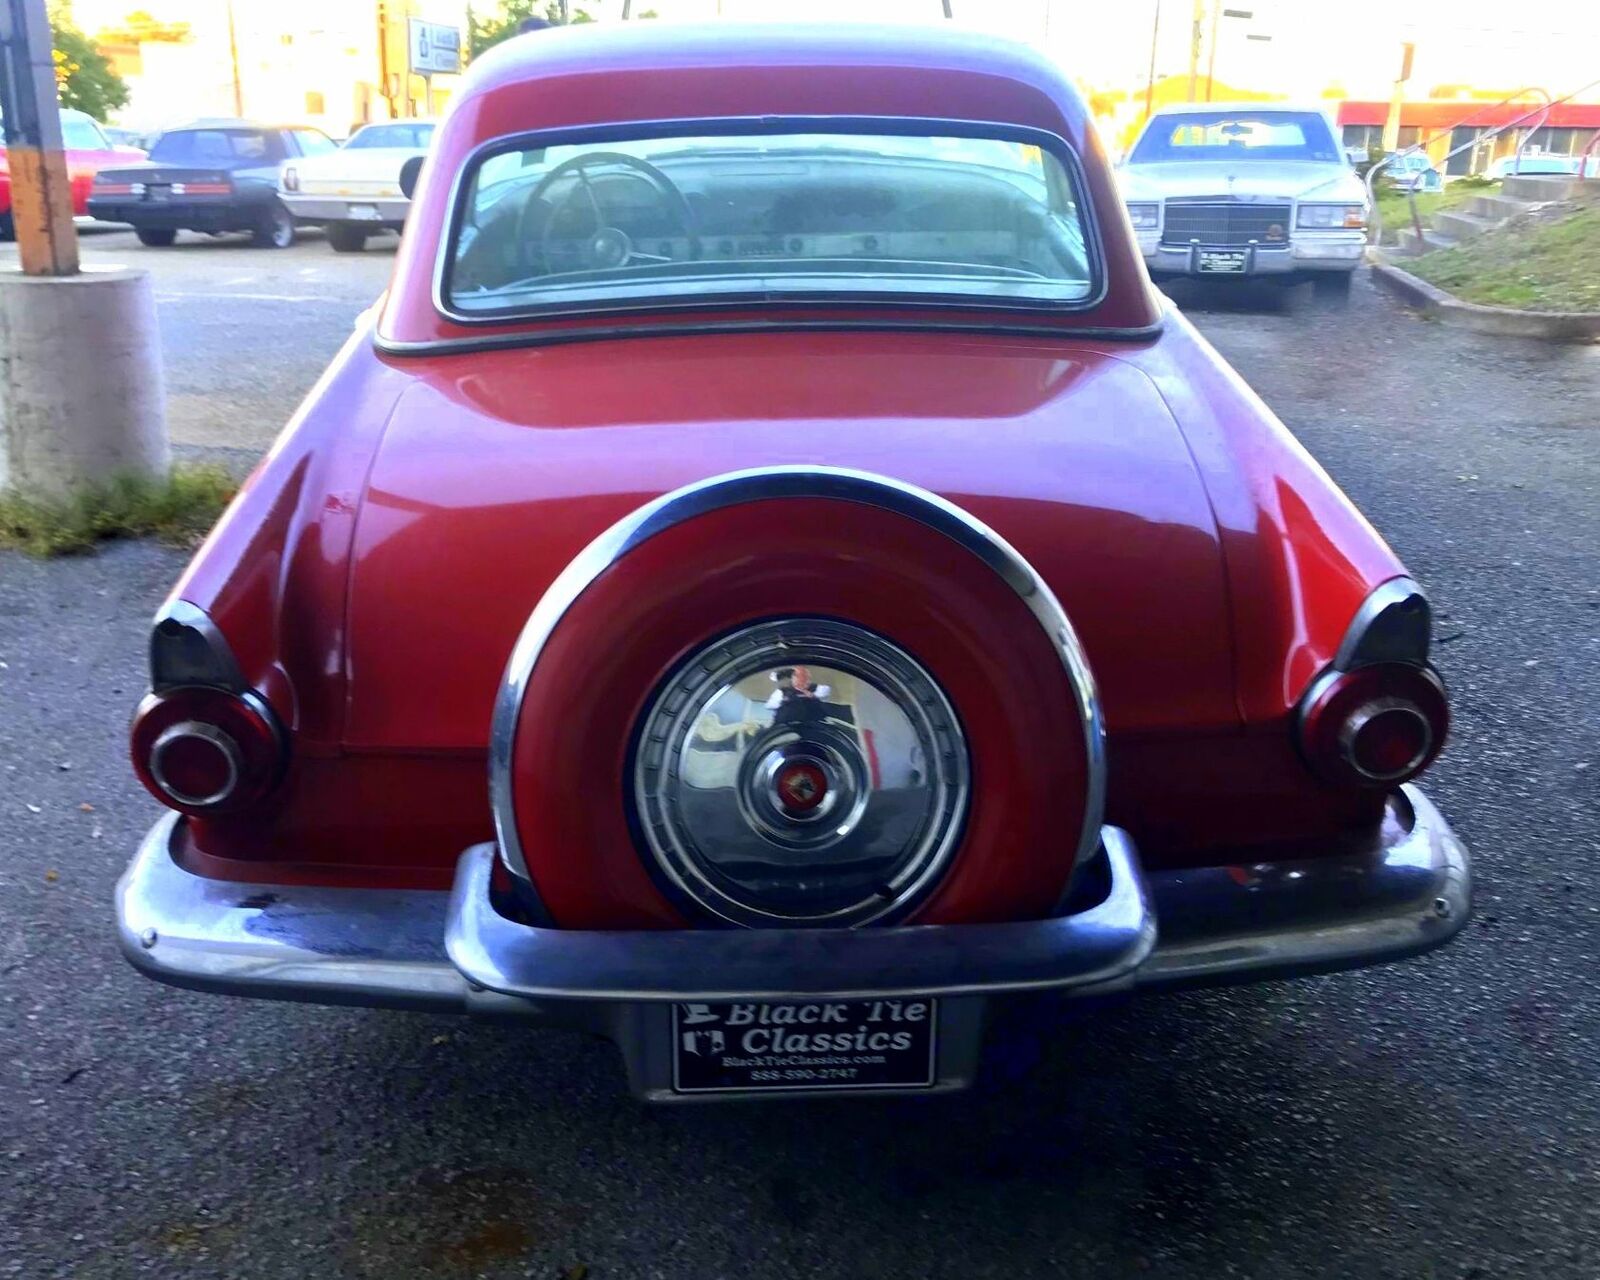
[1393, 624]
[1409, 894]
[669, 329]
[1093, 948]
[1406, 893]
[759, 485]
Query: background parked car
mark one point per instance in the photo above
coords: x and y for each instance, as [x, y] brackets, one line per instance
[1412, 171]
[1230, 191]
[355, 190]
[88, 151]
[212, 176]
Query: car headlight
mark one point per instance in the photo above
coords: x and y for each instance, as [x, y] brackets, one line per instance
[1145, 217]
[1332, 215]
[291, 179]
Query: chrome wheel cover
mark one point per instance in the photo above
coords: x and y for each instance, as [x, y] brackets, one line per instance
[802, 771]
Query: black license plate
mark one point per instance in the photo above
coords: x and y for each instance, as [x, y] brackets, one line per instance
[1222, 261]
[760, 1046]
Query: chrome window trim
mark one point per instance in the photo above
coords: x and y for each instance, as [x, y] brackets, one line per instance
[756, 485]
[678, 329]
[1059, 147]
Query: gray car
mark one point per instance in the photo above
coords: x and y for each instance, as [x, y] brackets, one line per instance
[1222, 190]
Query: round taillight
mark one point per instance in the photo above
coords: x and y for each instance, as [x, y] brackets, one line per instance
[1375, 726]
[203, 750]
[195, 764]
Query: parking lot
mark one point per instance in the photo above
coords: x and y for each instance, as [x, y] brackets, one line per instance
[1438, 1119]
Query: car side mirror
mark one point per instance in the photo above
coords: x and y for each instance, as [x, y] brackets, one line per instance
[1356, 155]
[408, 176]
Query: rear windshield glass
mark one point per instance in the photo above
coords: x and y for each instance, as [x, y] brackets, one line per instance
[216, 146]
[1237, 135]
[788, 215]
[415, 136]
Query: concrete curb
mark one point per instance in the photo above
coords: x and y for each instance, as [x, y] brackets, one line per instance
[1552, 326]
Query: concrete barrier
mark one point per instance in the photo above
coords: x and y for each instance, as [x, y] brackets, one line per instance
[81, 393]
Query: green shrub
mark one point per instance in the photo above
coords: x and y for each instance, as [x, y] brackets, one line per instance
[178, 508]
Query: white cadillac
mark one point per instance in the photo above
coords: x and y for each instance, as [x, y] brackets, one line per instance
[1252, 189]
[355, 191]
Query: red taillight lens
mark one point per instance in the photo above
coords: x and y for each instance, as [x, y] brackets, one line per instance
[1375, 726]
[203, 750]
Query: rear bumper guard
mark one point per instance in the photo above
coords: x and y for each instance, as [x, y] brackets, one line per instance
[1408, 893]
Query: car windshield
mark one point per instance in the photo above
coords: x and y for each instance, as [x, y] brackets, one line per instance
[215, 146]
[737, 217]
[1236, 135]
[412, 136]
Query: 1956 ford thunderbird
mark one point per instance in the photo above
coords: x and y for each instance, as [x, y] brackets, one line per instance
[771, 579]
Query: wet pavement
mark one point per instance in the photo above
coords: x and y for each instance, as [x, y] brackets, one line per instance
[1437, 1119]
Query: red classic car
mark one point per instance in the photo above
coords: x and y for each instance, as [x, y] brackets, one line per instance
[88, 151]
[772, 578]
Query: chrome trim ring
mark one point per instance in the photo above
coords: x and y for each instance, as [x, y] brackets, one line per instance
[206, 733]
[802, 771]
[759, 485]
[1369, 711]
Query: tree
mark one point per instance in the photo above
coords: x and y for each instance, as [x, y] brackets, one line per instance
[84, 78]
[485, 33]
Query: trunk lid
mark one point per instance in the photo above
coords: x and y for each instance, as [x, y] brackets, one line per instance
[495, 470]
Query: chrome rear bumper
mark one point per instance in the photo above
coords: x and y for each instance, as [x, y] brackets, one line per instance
[1408, 893]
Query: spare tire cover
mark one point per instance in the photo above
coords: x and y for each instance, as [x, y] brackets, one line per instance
[738, 550]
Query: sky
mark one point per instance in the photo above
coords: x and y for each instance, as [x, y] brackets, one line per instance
[1310, 45]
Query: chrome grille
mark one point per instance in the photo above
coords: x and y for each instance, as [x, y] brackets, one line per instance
[1224, 222]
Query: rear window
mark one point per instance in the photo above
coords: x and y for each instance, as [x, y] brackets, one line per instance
[412, 136]
[1236, 135]
[216, 146]
[700, 216]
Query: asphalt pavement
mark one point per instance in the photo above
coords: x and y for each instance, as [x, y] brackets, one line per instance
[1438, 1119]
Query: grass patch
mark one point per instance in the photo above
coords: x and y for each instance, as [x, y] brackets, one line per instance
[1542, 262]
[1394, 207]
[178, 508]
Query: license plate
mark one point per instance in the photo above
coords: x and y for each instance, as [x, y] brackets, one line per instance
[364, 212]
[1222, 261]
[765, 1046]
[158, 194]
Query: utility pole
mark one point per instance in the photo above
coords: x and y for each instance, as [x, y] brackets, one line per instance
[1150, 83]
[1391, 126]
[233, 58]
[1211, 57]
[947, 12]
[1197, 26]
[41, 193]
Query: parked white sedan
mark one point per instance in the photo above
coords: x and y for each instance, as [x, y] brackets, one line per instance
[1250, 189]
[355, 191]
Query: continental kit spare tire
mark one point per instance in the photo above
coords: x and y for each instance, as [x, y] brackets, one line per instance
[796, 697]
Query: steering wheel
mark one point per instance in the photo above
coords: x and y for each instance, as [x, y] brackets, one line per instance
[608, 246]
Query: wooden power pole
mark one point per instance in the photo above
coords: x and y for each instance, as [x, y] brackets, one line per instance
[41, 196]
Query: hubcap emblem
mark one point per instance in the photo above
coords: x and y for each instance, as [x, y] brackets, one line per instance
[802, 786]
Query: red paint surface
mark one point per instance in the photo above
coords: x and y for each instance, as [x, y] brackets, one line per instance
[374, 574]
[82, 165]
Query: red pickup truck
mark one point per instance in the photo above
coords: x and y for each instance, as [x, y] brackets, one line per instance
[88, 151]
